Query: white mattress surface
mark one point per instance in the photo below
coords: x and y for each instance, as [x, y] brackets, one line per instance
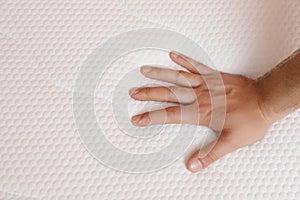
[43, 46]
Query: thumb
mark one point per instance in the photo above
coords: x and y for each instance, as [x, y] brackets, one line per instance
[209, 154]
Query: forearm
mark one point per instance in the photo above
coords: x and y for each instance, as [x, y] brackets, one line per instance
[280, 89]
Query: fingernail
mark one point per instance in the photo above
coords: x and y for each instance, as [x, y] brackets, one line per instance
[135, 118]
[175, 54]
[195, 165]
[133, 91]
[140, 120]
[144, 121]
[146, 69]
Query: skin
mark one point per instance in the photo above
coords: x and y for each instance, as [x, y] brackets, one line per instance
[250, 106]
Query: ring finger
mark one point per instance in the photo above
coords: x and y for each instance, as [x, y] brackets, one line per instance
[164, 94]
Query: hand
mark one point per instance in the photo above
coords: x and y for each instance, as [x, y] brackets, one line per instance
[245, 122]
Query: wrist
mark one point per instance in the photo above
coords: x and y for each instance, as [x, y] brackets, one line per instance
[278, 90]
[264, 105]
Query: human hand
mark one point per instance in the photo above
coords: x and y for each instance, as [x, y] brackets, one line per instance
[245, 121]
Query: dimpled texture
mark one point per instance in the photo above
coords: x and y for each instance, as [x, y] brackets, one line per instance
[44, 43]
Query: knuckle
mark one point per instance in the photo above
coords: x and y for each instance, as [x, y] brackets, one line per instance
[172, 111]
[170, 93]
[179, 75]
[197, 91]
[212, 156]
[190, 95]
[230, 91]
[203, 95]
[196, 81]
[146, 92]
[187, 78]
[157, 71]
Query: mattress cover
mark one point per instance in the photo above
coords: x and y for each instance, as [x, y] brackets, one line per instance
[49, 147]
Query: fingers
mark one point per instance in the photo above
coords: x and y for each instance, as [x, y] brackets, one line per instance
[216, 150]
[193, 113]
[190, 64]
[170, 115]
[181, 78]
[166, 94]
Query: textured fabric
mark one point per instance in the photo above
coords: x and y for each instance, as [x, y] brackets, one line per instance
[44, 43]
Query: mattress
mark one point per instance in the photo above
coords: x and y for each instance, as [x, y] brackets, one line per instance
[50, 148]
